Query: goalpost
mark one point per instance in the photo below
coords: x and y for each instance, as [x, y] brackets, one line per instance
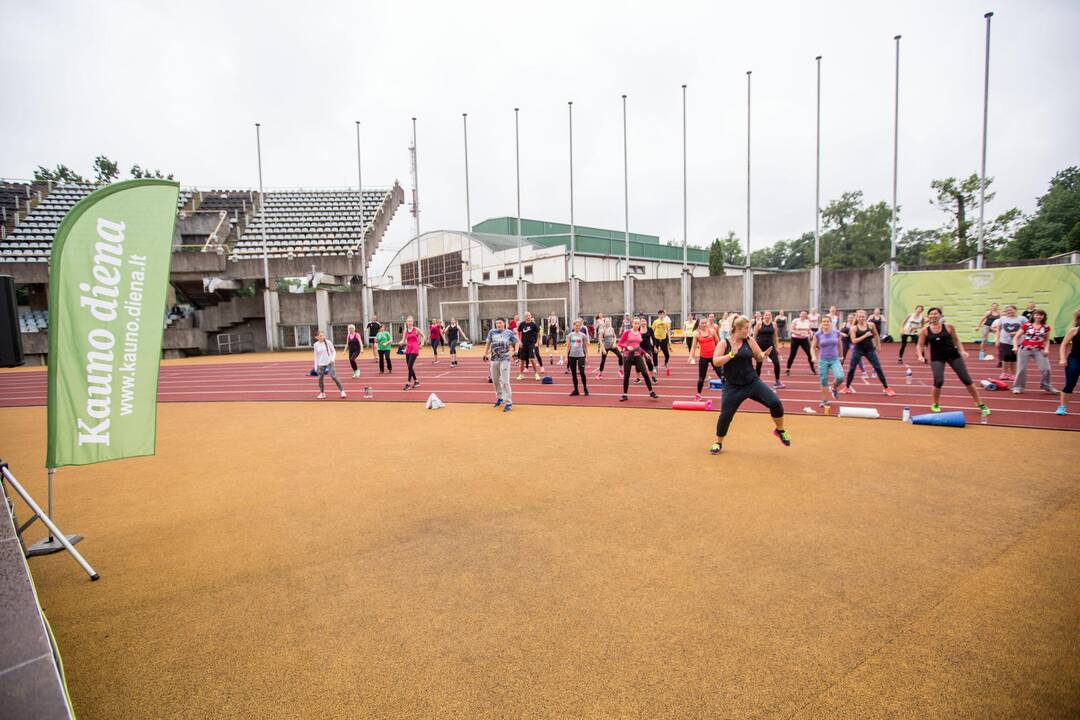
[506, 301]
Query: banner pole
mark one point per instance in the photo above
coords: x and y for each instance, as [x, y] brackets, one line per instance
[53, 530]
[51, 544]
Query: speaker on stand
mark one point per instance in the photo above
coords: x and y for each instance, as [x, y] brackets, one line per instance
[11, 351]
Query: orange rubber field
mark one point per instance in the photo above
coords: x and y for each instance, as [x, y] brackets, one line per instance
[354, 560]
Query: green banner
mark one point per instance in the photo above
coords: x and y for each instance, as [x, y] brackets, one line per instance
[964, 295]
[107, 281]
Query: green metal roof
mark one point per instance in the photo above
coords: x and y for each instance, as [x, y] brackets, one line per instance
[595, 241]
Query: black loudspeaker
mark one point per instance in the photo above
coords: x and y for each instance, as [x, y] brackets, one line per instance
[11, 352]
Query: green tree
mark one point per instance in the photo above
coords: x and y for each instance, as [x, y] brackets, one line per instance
[138, 172]
[855, 236]
[62, 174]
[913, 245]
[1055, 226]
[959, 199]
[716, 258]
[105, 170]
[725, 251]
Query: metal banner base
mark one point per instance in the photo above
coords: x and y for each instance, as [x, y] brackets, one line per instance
[48, 546]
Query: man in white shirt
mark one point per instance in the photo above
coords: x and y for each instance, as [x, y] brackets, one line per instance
[324, 363]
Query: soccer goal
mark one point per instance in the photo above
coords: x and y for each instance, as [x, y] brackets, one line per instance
[486, 324]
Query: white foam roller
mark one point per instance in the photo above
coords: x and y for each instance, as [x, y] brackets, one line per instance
[858, 412]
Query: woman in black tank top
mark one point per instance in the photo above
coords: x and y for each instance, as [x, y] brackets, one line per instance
[1071, 363]
[985, 323]
[741, 382]
[946, 349]
[765, 333]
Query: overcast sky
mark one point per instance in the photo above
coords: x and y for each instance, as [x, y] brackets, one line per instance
[179, 86]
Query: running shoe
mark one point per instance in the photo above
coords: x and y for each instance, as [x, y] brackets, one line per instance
[506, 407]
[406, 386]
[521, 376]
[889, 391]
[586, 392]
[536, 376]
[434, 362]
[653, 395]
[787, 373]
[715, 449]
[1049, 389]
[865, 379]
[667, 371]
[697, 397]
[490, 380]
[320, 396]
[416, 384]
[1062, 410]
[356, 374]
[1017, 391]
[497, 403]
[637, 381]
[343, 395]
[935, 408]
[575, 393]
[984, 410]
[824, 404]
[620, 374]
[845, 390]
[622, 398]
[835, 392]
[783, 437]
[599, 376]
[779, 385]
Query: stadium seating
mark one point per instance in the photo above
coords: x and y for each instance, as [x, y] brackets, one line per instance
[309, 223]
[32, 321]
[31, 240]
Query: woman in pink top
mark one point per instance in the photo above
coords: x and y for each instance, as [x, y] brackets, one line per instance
[633, 357]
[435, 332]
[411, 338]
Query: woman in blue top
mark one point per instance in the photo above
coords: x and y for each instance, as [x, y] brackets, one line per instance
[825, 350]
[577, 347]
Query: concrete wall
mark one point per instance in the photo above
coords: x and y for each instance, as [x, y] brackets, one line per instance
[782, 291]
[711, 294]
[651, 295]
[605, 297]
[853, 289]
[297, 308]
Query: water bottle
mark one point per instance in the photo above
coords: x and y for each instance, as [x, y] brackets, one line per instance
[907, 378]
[982, 419]
[907, 414]
[368, 392]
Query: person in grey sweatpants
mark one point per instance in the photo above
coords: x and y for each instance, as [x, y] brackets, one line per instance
[500, 342]
[1031, 343]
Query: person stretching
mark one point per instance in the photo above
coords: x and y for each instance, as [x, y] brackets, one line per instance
[737, 356]
[661, 330]
[352, 342]
[985, 324]
[909, 330]
[453, 337]
[765, 336]
[577, 349]
[633, 357]
[1006, 328]
[324, 363]
[384, 341]
[500, 342]
[552, 335]
[865, 342]
[373, 328]
[411, 339]
[1031, 343]
[702, 349]
[1072, 365]
[946, 348]
[825, 348]
[605, 339]
[801, 330]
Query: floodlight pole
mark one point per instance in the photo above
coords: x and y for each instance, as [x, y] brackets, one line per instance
[268, 309]
[626, 214]
[573, 232]
[365, 309]
[892, 268]
[815, 289]
[748, 291]
[684, 300]
[982, 174]
[468, 210]
[517, 175]
[420, 294]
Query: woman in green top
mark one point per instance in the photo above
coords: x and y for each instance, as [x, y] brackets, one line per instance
[383, 342]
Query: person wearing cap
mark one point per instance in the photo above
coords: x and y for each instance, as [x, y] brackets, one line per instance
[661, 328]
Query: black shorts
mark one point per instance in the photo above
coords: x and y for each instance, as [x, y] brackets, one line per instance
[371, 341]
[1005, 350]
[526, 352]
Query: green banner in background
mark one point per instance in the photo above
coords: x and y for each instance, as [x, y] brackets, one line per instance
[107, 281]
[965, 295]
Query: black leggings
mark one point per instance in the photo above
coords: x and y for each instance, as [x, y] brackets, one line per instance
[662, 346]
[772, 358]
[937, 367]
[635, 360]
[577, 365]
[797, 343]
[385, 355]
[904, 340]
[604, 354]
[733, 397]
[410, 360]
[352, 359]
[435, 347]
[857, 354]
[703, 370]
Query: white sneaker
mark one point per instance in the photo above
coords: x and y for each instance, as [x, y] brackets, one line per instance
[320, 396]
[343, 394]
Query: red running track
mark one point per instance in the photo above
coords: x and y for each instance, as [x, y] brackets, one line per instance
[289, 380]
